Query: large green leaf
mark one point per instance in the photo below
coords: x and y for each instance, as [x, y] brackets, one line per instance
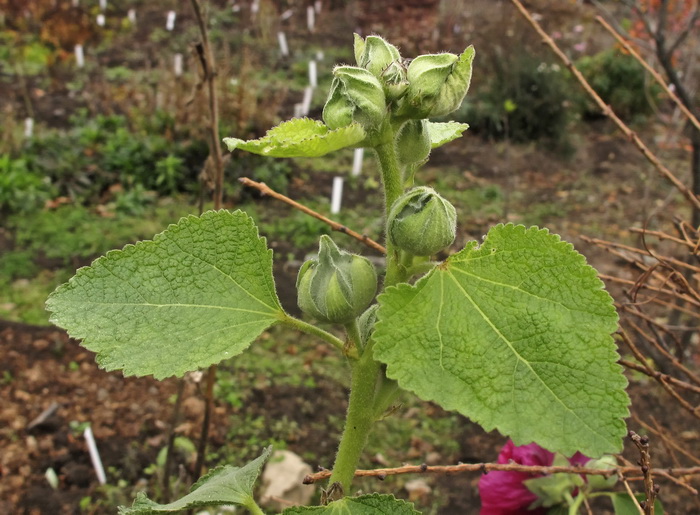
[197, 294]
[373, 504]
[444, 132]
[514, 334]
[222, 486]
[300, 137]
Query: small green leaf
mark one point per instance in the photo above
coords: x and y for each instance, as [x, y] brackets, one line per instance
[300, 137]
[373, 504]
[222, 486]
[514, 334]
[197, 294]
[441, 133]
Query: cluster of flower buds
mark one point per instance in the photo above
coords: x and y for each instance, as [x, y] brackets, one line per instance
[338, 286]
[382, 83]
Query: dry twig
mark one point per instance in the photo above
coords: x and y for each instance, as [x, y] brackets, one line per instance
[650, 490]
[607, 111]
[488, 467]
[266, 190]
[658, 78]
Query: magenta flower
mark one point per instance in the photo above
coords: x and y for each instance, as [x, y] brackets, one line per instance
[503, 492]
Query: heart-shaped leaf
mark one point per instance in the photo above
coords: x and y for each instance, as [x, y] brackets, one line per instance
[197, 294]
[514, 334]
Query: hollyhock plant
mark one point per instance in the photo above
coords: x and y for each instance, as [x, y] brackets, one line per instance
[505, 492]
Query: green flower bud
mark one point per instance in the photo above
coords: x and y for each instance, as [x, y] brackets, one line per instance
[422, 223]
[394, 81]
[438, 84]
[413, 142]
[337, 286]
[377, 55]
[356, 95]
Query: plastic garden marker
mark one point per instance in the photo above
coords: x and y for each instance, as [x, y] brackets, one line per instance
[512, 331]
[79, 56]
[254, 7]
[177, 65]
[131, 15]
[28, 127]
[306, 102]
[313, 74]
[282, 40]
[287, 14]
[94, 455]
[310, 18]
[317, 6]
[170, 20]
[101, 20]
[103, 5]
[357, 158]
[336, 195]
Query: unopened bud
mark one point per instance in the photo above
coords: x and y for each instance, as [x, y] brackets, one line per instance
[336, 287]
[356, 95]
[422, 223]
[413, 142]
[377, 55]
[438, 84]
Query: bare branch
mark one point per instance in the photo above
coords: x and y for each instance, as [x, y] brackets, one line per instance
[631, 135]
[488, 467]
[642, 443]
[266, 190]
[651, 70]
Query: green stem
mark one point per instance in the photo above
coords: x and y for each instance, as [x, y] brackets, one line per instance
[304, 327]
[353, 330]
[253, 507]
[393, 188]
[359, 420]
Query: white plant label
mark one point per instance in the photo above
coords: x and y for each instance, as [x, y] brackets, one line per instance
[28, 127]
[131, 15]
[310, 18]
[170, 21]
[306, 102]
[177, 65]
[282, 40]
[79, 56]
[336, 195]
[313, 74]
[357, 158]
[95, 455]
[101, 20]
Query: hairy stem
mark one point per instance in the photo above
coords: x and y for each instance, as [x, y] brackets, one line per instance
[359, 420]
[393, 188]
